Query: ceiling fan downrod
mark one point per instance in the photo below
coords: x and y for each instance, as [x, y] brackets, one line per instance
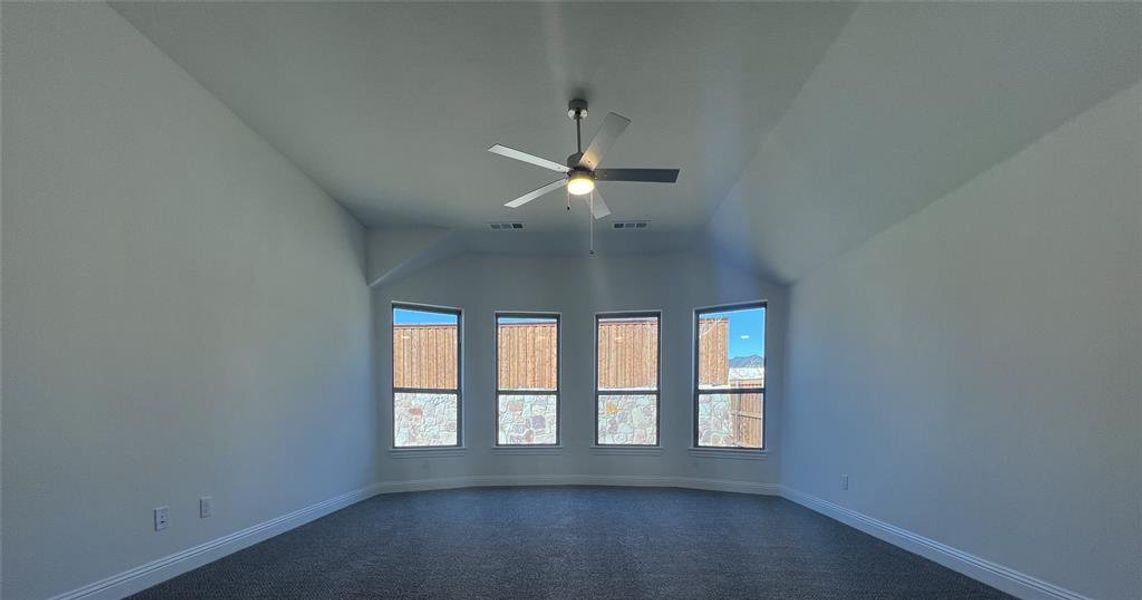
[576, 110]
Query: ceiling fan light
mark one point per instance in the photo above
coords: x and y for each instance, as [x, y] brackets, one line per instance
[580, 185]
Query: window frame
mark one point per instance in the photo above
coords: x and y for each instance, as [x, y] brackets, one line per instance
[657, 314]
[394, 390]
[697, 392]
[558, 379]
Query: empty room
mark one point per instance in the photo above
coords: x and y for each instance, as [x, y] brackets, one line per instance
[570, 300]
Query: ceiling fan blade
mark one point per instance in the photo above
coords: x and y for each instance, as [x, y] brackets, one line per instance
[599, 209]
[528, 158]
[613, 126]
[532, 195]
[651, 175]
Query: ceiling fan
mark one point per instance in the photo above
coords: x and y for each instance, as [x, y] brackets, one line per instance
[582, 169]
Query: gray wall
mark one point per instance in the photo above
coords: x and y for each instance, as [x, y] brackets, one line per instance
[185, 313]
[577, 287]
[975, 368]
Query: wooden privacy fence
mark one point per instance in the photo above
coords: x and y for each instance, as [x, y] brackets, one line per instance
[628, 354]
[424, 356]
[745, 412]
[528, 356]
[713, 351]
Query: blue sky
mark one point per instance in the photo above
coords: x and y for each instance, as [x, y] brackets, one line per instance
[404, 316]
[747, 330]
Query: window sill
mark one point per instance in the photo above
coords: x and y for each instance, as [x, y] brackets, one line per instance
[731, 453]
[428, 452]
[535, 450]
[627, 450]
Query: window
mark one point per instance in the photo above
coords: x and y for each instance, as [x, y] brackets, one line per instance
[527, 380]
[626, 379]
[426, 376]
[729, 391]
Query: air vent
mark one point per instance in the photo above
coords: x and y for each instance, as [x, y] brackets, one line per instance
[505, 226]
[632, 225]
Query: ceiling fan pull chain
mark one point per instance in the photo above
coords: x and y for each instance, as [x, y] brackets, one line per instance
[591, 223]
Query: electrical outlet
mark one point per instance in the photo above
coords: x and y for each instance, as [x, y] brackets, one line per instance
[162, 517]
[844, 482]
[205, 507]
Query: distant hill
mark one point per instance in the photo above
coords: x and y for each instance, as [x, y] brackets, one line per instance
[752, 361]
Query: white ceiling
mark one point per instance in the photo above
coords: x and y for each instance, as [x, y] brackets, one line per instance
[800, 129]
[391, 107]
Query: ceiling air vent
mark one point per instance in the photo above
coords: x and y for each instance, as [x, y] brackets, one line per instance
[506, 226]
[632, 225]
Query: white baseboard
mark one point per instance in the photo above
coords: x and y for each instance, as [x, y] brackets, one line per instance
[994, 574]
[149, 574]
[722, 485]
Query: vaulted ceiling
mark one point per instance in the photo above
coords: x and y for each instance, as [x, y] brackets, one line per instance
[910, 102]
[800, 129]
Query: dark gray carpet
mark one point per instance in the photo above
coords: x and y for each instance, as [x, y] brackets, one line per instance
[573, 542]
